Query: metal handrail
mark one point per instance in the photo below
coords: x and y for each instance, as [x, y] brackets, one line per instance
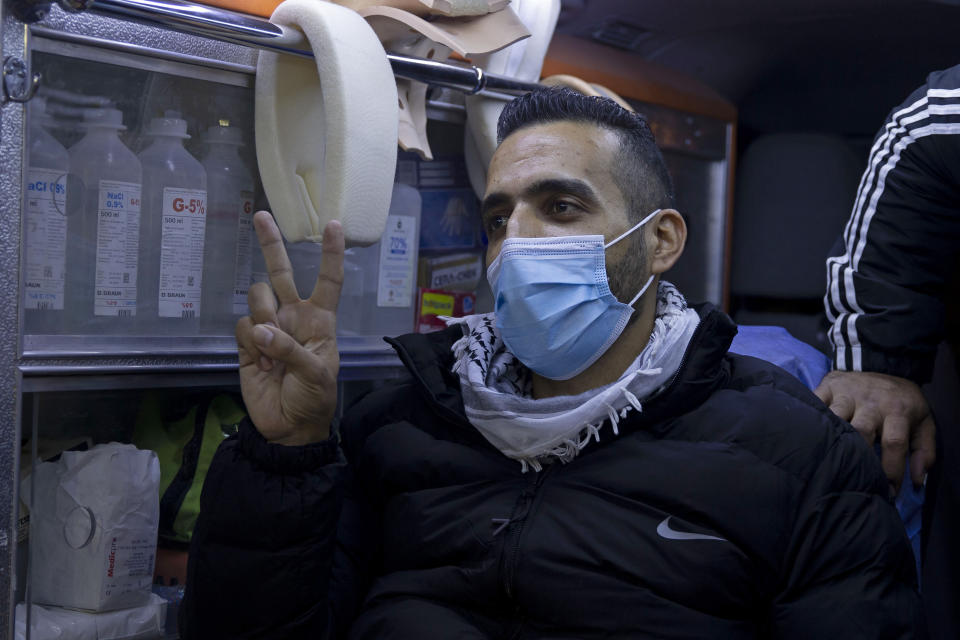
[239, 28]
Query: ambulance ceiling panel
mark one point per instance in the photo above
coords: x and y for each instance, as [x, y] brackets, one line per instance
[832, 64]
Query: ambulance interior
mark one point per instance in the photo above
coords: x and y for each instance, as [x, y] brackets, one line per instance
[811, 82]
[765, 112]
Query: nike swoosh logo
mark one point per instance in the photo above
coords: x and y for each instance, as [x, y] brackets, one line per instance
[664, 531]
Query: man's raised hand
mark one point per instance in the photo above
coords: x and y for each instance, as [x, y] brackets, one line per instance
[287, 346]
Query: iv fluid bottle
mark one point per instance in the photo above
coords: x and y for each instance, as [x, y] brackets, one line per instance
[258, 266]
[390, 268]
[172, 234]
[305, 260]
[104, 224]
[45, 225]
[229, 236]
[350, 311]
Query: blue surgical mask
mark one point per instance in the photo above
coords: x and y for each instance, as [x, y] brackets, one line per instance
[553, 304]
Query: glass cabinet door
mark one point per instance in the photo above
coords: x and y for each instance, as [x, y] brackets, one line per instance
[141, 183]
[140, 186]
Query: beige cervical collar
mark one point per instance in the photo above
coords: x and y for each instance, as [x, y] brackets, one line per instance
[326, 129]
[480, 139]
[584, 87]
[454, 8]
[523, 61]
[405, 33]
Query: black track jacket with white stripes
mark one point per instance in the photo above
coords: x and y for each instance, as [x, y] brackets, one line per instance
[888, 288]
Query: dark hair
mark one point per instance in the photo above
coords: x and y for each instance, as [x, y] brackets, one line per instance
[640, 172]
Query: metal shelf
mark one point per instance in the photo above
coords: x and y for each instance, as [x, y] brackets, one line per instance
[68, 359]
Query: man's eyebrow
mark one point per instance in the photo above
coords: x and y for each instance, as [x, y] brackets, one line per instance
[493, 201]
[570, 186]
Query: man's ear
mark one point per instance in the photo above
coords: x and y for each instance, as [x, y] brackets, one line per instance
[669, 236]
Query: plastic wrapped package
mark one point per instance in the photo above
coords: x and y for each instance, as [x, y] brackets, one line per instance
[52, 623]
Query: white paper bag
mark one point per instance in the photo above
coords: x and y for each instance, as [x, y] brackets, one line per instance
[93, 528]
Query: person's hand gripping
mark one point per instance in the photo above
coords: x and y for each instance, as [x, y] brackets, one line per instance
[288, 353]
[889, 409]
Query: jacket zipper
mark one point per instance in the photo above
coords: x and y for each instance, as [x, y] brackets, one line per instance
[511, 543]
[694, 339]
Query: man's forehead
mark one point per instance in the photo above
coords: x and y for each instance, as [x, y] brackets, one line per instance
[563, 148]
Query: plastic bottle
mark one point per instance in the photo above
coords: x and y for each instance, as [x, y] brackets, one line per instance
[45, 225]
[172, 234]
[258, 266]
[104, 225]
[305, 262]
[350, 311]
[227, 244]
[390, 268]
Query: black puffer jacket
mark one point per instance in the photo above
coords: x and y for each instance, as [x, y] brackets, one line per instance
[734, 506]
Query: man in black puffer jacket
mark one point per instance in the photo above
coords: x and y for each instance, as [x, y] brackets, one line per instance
[569, 466]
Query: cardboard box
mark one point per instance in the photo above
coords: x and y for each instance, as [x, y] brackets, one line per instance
[451, 272]
[434, 303]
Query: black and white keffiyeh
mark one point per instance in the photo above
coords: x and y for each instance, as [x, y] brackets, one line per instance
[496, 387]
